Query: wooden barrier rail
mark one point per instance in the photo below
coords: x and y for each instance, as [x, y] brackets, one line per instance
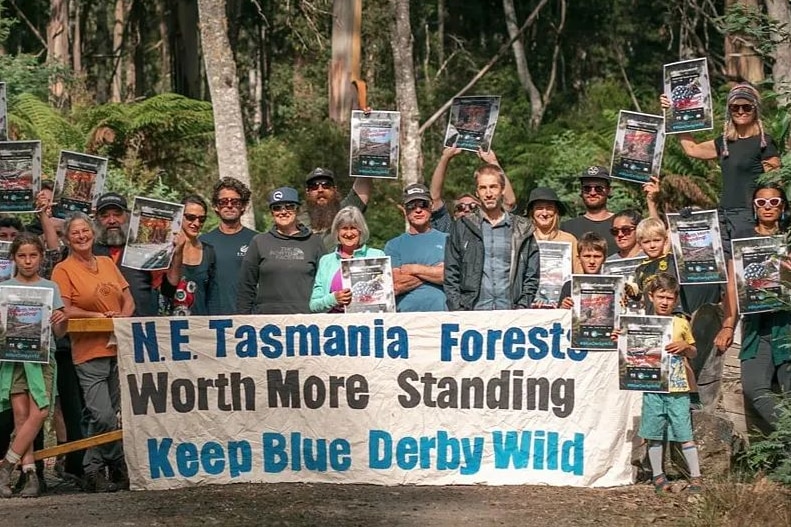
[83, 325]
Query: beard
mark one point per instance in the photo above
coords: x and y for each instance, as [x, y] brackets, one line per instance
[321, 216]
[114, 237]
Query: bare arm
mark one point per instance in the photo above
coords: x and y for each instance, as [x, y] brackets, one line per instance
[404, 282]
[59, 322]
[174, 271]
[651, 190]
[363, 186]
[426, 273]
[127, 304]
[438, 177]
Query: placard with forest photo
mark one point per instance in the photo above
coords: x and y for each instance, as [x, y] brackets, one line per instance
[153, 224]
[472, 122]
[686, 84]
[79, 182]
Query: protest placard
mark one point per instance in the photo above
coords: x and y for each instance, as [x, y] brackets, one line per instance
[644, 364]
[20, 175]
[686, 84]
[472, 121]
[597, 310]
[638, 147]
[25, 324]
[371, 284]
[153, 225]
[373, 151]
[79, 182]
[697, 247]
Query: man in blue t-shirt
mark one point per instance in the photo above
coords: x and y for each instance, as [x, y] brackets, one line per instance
[418, 256]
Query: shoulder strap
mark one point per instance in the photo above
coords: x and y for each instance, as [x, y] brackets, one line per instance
[211, 258]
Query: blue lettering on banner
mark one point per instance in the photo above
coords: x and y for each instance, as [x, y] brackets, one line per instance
[212, 457]
[539, 450]
[449, 453]
[304, 453]
[514, 343]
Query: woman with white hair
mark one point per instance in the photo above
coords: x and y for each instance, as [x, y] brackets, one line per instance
[351, 232]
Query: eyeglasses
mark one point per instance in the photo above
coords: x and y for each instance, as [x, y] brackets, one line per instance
[466, 207]
[771, 202]
[316, 185]
[194, 217]
[278, 207]
[229, 202]
[741, 108]
[626, 231]
[418, 203]
[600, 189]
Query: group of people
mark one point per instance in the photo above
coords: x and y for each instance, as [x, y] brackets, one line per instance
[480, 253]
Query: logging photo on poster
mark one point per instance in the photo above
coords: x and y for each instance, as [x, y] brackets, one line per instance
[20, 175]
[757, 266]
[697, 247]
[596, 312]
[79, 182]
[555, 264]
[153, 225]
[643, 359]
[25, 324]
[472, 122]
[371, 283]
[686, 84]
[374, 144]
[638, 147]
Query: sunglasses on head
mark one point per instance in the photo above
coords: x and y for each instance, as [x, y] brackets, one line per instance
[277, 207]
[194, 217]
[466, 207]
[771, 202]
[744, 108]
[416, 204]
[626, 231]
[600, 189]
[323, 183]
[229, 202]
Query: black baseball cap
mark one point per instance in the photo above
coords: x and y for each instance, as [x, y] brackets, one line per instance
[111, 199]
[320, 173]
[595, 171]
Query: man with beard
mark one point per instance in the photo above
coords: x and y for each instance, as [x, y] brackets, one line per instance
[491, 258]
[112, 223]
[323, 202]
[230, 239]
[595, 182]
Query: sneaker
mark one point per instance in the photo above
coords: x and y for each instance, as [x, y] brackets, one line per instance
[119, 475]
[6, 469]
[98, 482]
[32, 489]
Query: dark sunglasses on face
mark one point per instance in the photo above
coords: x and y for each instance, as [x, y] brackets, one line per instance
[743, 108]
[315, 185]
[194, 217]
[229, 202]
[277, 207]
[600, 189]
[771, 202]
[418, 203]
[466, 207]
[626, 231]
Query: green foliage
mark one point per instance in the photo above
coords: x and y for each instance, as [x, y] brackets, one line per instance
[762, 31]
[772, 454]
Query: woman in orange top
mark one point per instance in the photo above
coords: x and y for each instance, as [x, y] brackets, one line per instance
[93, 287]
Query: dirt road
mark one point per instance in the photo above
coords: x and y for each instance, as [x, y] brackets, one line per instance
[363, 505]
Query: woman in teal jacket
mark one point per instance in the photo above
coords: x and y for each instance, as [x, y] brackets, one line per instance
[351, 232]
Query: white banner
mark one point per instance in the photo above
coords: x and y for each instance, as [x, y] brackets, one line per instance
[446, 399]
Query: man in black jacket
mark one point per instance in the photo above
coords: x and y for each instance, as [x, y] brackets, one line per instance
[491, 257]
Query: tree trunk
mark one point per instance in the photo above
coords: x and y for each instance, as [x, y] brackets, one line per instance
[345, 64]
[58, 46]
[440, 33]
[742, 63]
[165, 83]
[224, 89]
[76, 42]
[187, 52]
[106, 57]
[406, 94]
[780, 10]
[119, 23]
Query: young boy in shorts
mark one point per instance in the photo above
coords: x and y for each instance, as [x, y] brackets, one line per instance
[666, 416]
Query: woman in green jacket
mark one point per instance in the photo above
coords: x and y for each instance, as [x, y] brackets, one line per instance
[351, 232]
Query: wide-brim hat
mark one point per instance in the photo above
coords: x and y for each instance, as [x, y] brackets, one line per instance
[545, 194]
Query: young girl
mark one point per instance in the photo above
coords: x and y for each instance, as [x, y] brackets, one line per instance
[28, 387]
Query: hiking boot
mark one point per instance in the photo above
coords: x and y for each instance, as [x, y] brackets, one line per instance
[119, 475]
[32, 489]
[98, 482]
[6, 469]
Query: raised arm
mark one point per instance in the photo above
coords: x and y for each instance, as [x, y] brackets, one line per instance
[438, 177]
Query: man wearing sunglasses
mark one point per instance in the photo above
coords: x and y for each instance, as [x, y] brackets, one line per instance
[230, 239]
[417, 256]
[323, 202]
[595, 190]
[466, 203]
[492, 258]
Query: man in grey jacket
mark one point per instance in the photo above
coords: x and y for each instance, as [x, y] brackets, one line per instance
[491, 257]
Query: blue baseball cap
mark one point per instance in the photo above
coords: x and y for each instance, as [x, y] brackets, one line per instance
[283, 195]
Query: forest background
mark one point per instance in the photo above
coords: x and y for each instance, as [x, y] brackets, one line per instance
[127, 79]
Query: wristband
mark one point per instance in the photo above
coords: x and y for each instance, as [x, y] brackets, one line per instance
[727, 327]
